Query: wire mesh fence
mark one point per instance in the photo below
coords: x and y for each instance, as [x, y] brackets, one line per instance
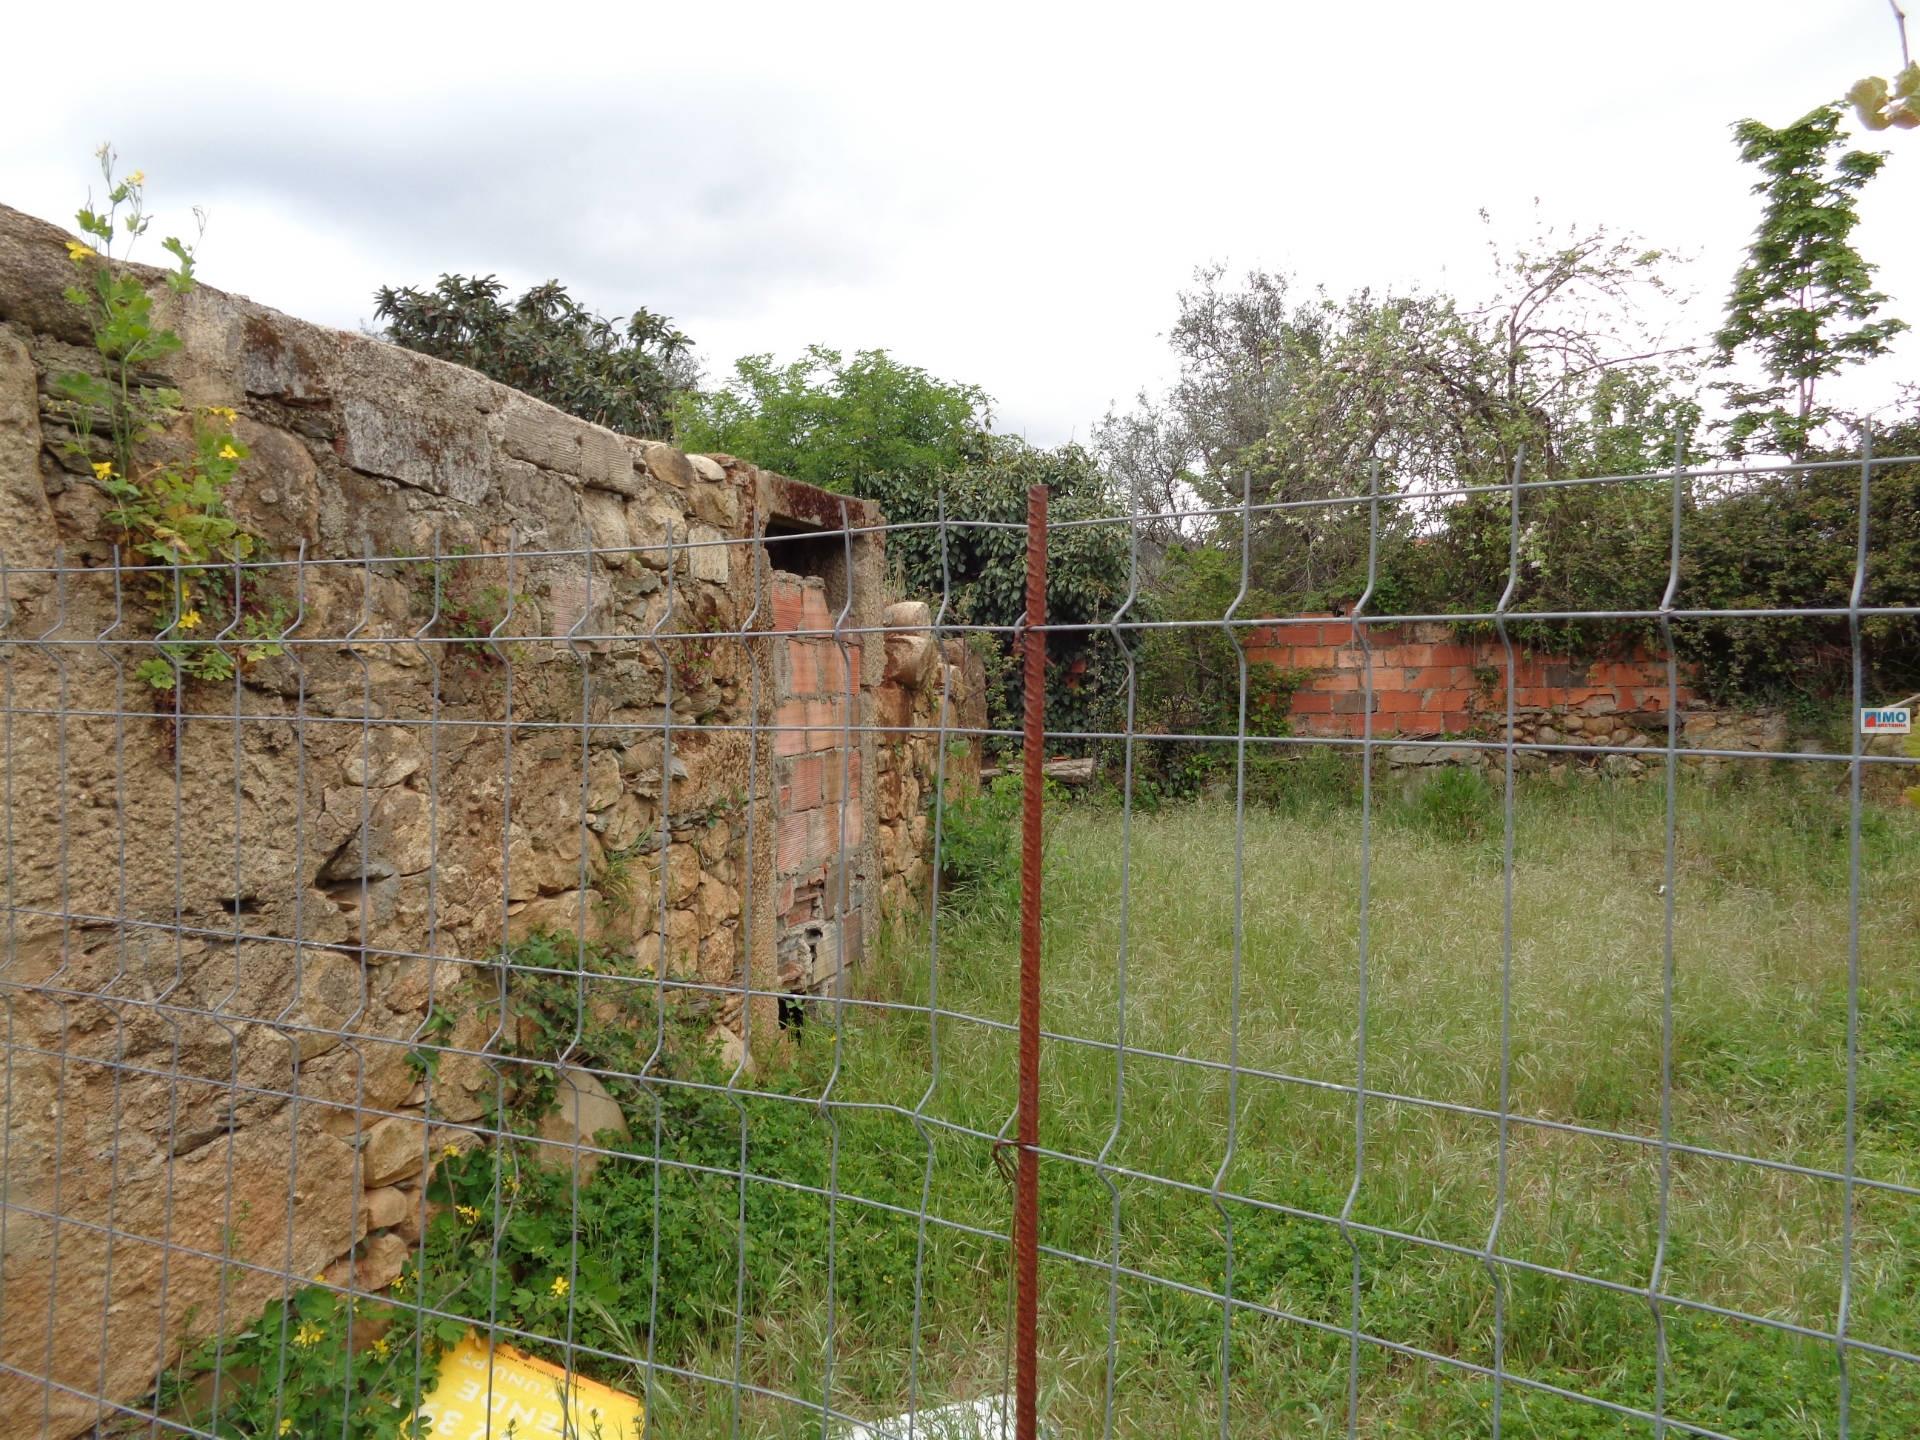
[512, 991]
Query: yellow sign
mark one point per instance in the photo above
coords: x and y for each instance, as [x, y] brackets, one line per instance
[526, 1394]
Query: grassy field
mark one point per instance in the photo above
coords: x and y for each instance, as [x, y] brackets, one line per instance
[1759, 1068]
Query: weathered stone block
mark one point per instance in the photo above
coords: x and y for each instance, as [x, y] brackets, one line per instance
[707, 558]
[446, 455]
[554, 440]
[892, 706]
[385, 1207]
[394, 1150]
[672, 468]
[583, 1115]
[681, 947]
[909, 660]
[907, 615]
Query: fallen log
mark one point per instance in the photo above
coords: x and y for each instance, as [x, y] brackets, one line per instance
[1066, 770]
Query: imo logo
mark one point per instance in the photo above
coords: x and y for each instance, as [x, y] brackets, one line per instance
[1887, 720]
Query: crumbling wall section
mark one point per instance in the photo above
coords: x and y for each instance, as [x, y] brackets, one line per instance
[1429, 681]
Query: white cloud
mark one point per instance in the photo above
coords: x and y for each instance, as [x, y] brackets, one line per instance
[1007, 194]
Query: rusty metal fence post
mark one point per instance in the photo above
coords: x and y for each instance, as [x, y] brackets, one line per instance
[1026, 1203]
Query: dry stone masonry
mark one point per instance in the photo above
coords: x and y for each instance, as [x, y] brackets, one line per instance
[511, 696]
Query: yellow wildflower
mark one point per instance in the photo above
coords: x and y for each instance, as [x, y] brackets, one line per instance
[559, 1286]
[286, 1427]
[78, 251]
[451, 1152]
[138, 177]
[102, 469]
[227, 452]
[308, 1335]
[383, 1347]
[400, 1283]
[468, 1213]
[190, 620]
[223, 412]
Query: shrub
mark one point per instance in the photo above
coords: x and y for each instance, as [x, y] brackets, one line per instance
[1188, 676]
[1318, 777]
[983, 568]
[625, 376]
[980, 845]
[1457, 805]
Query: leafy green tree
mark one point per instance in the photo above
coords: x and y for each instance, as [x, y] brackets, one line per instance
[843, 424]
[1803, 303]
[895, 434]
[985, 563]
[1292, 401]
[981, 567]
[624, 376]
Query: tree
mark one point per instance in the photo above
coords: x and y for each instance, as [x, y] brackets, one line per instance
[1803, 303]
[1581, 379]
[920, 447]
[1284, 401]
[546, 343]
[978, 562]
[845, 425]
[1292, 402]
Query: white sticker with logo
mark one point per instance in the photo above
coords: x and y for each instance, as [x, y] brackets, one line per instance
[1887, 720]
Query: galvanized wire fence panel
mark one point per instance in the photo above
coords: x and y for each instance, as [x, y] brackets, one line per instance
[410, 956]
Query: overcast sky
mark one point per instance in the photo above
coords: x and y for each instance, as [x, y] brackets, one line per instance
[1009, 195]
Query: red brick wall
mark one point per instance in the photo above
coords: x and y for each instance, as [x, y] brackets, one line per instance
[828, 777]
[1428, 681]
[810, 766]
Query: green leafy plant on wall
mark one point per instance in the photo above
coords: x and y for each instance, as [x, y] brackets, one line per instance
[618, 884]
[171, 509]
[466, 607]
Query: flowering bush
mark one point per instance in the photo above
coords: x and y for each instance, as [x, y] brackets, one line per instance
[171, 511]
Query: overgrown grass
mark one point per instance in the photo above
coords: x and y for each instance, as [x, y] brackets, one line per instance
[1213, 1179]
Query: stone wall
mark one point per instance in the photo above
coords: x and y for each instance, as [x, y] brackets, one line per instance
[507, 700]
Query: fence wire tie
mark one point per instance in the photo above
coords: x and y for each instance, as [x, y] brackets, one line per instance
[1004, 1162]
